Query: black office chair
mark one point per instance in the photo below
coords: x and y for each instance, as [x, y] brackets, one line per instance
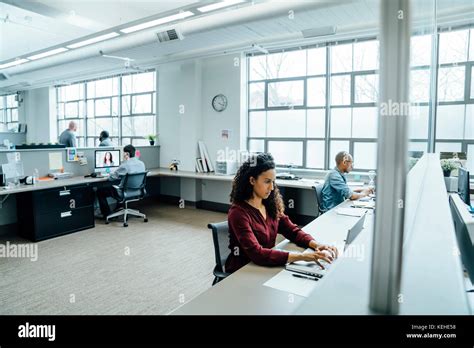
[318, 190]
[131, 189]
[220, 236]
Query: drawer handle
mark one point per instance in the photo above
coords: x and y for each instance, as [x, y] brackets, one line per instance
[64, 193]
[66, 214]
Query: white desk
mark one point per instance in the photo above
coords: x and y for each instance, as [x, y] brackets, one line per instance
[244, 293]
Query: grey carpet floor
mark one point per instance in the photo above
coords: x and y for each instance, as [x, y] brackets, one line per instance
[147, 268]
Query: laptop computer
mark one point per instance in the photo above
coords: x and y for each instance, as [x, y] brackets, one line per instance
[312, 268]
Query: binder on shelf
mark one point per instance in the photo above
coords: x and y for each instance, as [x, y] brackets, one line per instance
[203, 158]
[206, 160]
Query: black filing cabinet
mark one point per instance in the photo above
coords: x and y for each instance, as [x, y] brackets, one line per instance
[49, 213]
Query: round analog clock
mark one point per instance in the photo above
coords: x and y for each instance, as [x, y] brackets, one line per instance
[219, 102]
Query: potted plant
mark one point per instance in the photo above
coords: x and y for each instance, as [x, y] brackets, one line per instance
[448, 165]
[151, 138]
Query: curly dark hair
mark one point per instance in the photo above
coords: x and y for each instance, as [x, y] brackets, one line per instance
[242, 189]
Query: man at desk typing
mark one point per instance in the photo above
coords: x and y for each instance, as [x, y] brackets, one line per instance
[257, 215]
[335, 189]
[130, 165]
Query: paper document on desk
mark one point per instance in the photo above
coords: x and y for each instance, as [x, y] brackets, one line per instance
[358, 212]
[362, 204]
[284, 281]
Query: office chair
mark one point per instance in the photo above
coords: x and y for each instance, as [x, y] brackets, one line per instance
[131, 189]
[318, 190]
[220, 236]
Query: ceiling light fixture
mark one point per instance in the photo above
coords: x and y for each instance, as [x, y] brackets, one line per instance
[13, 63]
[158, 21]
[219, 5]
[93, 40]
[48, 53]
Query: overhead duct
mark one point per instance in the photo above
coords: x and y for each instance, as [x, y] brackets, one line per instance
[256, 12]
[169, 35]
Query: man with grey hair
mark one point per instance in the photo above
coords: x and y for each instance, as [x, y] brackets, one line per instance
[68, 137]
[335, 189]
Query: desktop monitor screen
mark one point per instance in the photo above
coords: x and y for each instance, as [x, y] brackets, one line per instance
[107, 159]
[463, 185]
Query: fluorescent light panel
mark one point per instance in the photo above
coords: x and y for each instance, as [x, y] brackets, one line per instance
[219, 5]
[93, 40]
[48, 53]
[13, 63]
[158, 21]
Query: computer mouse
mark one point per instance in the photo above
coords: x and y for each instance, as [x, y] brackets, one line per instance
[94, 175]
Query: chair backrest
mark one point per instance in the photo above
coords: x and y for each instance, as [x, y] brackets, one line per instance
[133, 185]
[318, 190]
[220, 236]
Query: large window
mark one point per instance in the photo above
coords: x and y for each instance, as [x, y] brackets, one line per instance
[304, 115]
[125, 106]
[454, 130]
[8, 113]
[306, 105]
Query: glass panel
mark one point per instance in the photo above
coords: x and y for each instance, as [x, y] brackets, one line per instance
[365, 155]
[286, 93]
[106, 87]
[341, 90]
[469, 128]
[73, 92]
[92, 142]
[15, 115]
[258, 67]
[286, 152]
[257, 124]
[60, 110]
[366, 88]
[471, 46]
[126, 105]
[97, 125]
[140, 142]
[448, 147]
[470, 158]
[472, 80]
[138, 125]
[256, 145]
[366, 55]
[115, 106]
[341, 58]
[450, 122]
[317, 61]
[90, 108]
[257, 95]
[141, 104]
[315, 154]
[72, 110]
[341, 120]
[420, 53]
[451, 83]
[418, 122]
[287, 64]
[11, 103]
[102, 107]
[416, 146]
[419, 86]
[2, 102]
[364, 122]
[316, 91]
[316, 123]
[453, 46]
[286, 123]
[144, 82]
[334, 147]
[126, 141]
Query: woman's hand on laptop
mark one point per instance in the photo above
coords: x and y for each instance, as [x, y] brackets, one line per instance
[332, 251]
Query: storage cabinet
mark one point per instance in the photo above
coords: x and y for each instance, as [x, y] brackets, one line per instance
[49, 213]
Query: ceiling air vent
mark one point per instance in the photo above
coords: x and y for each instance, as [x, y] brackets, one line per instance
[169, 35]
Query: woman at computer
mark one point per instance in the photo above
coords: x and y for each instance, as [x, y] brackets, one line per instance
[257, 215]
[108, 159]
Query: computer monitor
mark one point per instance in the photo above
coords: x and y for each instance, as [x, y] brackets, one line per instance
[463, 186]
[464, 229]
[107, 161]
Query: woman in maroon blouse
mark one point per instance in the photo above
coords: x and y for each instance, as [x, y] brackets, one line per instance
[257, 215]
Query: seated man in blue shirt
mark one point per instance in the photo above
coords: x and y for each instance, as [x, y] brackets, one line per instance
[130, 165]
[335, 189]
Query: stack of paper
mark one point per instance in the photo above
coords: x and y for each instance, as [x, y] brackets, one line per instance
[358, 212]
